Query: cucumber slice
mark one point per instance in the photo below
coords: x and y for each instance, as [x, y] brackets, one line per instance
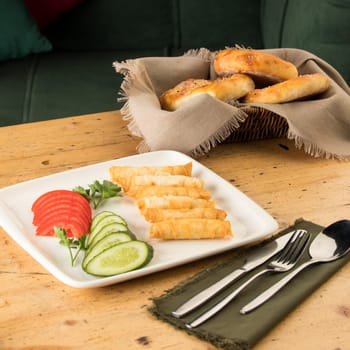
[104, 231]
[105, 217]
[98, 217]
[102, 219]
[104, 243]
[120, 258]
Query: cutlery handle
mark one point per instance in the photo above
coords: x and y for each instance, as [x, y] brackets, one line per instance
[221, 304]
[268, 293]
[207, 293]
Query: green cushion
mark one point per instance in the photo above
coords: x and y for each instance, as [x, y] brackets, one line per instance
[217, 24]
[19, 34]
[54, 85]
[318, 26]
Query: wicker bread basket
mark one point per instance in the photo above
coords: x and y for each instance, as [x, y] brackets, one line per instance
[260, 124]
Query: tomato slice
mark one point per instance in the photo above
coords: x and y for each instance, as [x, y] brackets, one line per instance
[62, 208]
[75, 224]
[54, 196]
[59, 207]
[62, 213]
[73, 229]
[52, 201]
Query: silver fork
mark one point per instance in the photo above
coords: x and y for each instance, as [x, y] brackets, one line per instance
[284, 261]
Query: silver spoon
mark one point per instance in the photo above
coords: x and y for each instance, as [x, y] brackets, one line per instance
[330, 244]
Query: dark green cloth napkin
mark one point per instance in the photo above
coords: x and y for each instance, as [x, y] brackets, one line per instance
[229, 329]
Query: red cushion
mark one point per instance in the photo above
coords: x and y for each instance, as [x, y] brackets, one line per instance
[47, 11]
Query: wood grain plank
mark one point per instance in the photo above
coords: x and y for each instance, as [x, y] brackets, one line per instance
[38, 312]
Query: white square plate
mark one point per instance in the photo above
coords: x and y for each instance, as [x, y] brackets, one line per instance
[248, 220]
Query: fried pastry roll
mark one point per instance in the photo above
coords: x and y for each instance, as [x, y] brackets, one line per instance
[123, 174]
[160, 191]
[156, 214]
[166, 180]
[191, 229]
[174, 202]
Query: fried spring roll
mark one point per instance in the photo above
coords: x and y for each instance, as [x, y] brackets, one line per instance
[166, 180]
[123, 174]
[160, 191]
[156, 214]
[174, 202]
[191, 229]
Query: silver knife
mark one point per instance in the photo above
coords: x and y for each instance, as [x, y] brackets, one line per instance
[256, 258]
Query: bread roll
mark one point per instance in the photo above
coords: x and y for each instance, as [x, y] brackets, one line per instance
[263, 67]
[290, 90]
[226, 88]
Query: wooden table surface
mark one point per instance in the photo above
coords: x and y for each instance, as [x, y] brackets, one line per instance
[38, 312]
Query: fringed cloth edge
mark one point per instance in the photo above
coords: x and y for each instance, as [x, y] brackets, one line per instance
[132, 70]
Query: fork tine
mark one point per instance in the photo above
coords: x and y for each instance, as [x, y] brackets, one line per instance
[291, 246]
[299, 247]
[284, 261]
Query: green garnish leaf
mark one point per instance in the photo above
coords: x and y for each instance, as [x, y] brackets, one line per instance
[81, 190]
[97, 193]
[70, 243]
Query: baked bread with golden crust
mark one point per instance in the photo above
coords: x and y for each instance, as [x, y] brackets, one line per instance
[290, 90]
[263, 67]
[225, 88]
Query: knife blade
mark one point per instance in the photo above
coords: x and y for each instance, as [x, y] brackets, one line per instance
[256, 258]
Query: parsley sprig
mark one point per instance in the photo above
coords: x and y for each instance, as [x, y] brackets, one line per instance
[98, 192]
[70, 243]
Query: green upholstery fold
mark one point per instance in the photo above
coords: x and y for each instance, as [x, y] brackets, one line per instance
[319, 26]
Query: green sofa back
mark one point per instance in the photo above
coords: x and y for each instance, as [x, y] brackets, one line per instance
[319, 26]
[171, 25]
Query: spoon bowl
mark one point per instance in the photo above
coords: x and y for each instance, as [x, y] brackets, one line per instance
[330, 244]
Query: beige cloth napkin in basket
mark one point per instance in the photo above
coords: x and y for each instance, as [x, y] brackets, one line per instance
[321, 125]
